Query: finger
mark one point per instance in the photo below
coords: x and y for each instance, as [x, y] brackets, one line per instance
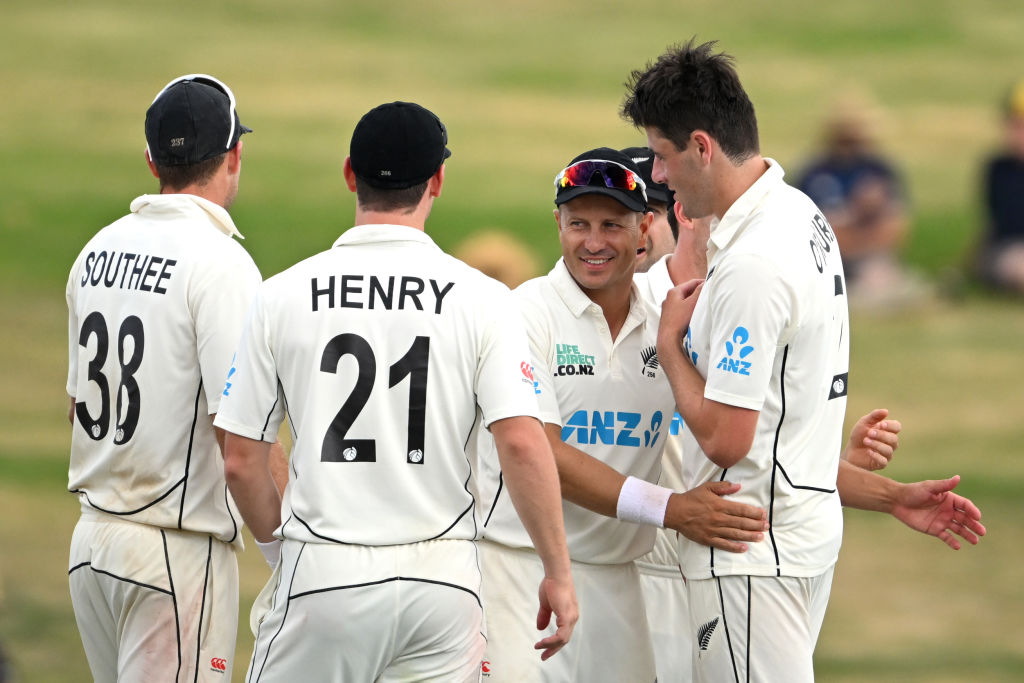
[738, 523]
[727, 545]
[964, 533]
[879, 448]
[966, 506]
[543, 617]
[722, 488]
[739, 535]
[742, 510]
[876, 415]
[882, 439]
[878, 461]
[550, 645]
[949, 539]
[940, 486]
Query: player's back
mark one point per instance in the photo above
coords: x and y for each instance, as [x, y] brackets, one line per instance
[152, 299]
[383, 347]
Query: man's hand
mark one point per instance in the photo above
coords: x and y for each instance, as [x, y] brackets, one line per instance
[558, 598]
[704, 516]
[932, 508]
[677, 310]
[873, 440]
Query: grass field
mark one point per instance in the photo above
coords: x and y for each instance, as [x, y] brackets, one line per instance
[523, 87]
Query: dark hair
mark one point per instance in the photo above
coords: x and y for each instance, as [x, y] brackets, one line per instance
[385, 199]
[180, 177]
[673, 222]
[690, 88]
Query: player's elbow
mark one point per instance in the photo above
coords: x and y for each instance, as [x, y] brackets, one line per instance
[727, 449]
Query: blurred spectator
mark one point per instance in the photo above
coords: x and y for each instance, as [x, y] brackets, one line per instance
[1002, 251]
[862, 196]
[498, 255]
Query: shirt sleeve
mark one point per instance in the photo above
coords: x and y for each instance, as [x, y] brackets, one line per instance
[220, 300]
[753, 312]
[538, 334]
[251, 401]
[505, 385]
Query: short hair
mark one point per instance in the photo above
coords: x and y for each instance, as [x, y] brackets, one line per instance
[180, 177]
[405, 199]
[691, 88]
[673, 222]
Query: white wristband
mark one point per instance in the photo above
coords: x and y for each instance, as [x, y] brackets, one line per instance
[642, 502]
[271, 551]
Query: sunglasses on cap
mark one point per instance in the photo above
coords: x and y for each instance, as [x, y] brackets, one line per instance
[612, 174]
[206, 79]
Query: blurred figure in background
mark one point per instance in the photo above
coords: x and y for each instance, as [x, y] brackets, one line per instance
[1001, 260]
[863, 198]
[499, 255]
[662, 235]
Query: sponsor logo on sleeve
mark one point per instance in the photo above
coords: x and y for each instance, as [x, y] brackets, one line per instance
[688, 345]
[231, 372]
[529, 377]
[736, 350]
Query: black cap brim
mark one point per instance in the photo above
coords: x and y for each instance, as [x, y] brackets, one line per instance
[628, 200]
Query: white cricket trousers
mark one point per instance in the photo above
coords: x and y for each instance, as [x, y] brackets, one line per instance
[153, 604]
[363, 614]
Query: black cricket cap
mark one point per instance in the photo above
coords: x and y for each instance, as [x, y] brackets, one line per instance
[191, 120]
[644, 159]
[398, 145]
[634, 200]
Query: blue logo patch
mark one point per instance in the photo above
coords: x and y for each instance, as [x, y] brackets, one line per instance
[688, 346]
[736, 350]
[227, 383]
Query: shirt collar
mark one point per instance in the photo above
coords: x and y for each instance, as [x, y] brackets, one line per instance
[724, 230]
[379, 232]
[574, 297]
[187, 203]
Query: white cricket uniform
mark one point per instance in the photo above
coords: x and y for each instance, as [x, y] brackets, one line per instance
[770, 332]
[613, 402]
[156, 303]
[387, 355]
[664, 588]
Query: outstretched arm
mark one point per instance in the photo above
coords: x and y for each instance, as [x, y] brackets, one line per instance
[702, 515]
[529, 472]
[873, 440]
[929, 506]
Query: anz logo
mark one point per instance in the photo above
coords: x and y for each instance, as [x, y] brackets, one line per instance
[612, 428]
[736, 351]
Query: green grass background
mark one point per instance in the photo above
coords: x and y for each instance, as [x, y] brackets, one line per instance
[523, 87]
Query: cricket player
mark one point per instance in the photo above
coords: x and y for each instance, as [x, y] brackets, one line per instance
[156, 303]
[757, 355]
[388, 356]
[606, 406]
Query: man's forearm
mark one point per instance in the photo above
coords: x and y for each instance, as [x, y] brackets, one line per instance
[249, 478]
[585, 480]
[531, 477]
[864, 490]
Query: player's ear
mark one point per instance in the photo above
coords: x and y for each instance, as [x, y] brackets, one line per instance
[557, 212]
[235, 158]
[350, 175]
[435, 182]
[684, 222]
[645, 225]
[152, 166]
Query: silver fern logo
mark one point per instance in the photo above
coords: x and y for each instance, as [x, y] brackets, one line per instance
[705, 632]
[649, 356]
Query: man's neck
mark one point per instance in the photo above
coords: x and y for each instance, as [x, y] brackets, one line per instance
[614, 303]
[412, 220]
[735, 180]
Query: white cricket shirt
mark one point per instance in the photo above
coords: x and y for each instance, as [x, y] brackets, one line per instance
[386, 353]
[156, 303]
[770, 332]
[610, 398]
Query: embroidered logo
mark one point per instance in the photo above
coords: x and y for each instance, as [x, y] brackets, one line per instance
[705, 632]
[736, 350]
[219, 664]
[649, 356]
[529, 377]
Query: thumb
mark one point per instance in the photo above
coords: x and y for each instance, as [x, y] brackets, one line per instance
[723, 488]
[939, 486]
